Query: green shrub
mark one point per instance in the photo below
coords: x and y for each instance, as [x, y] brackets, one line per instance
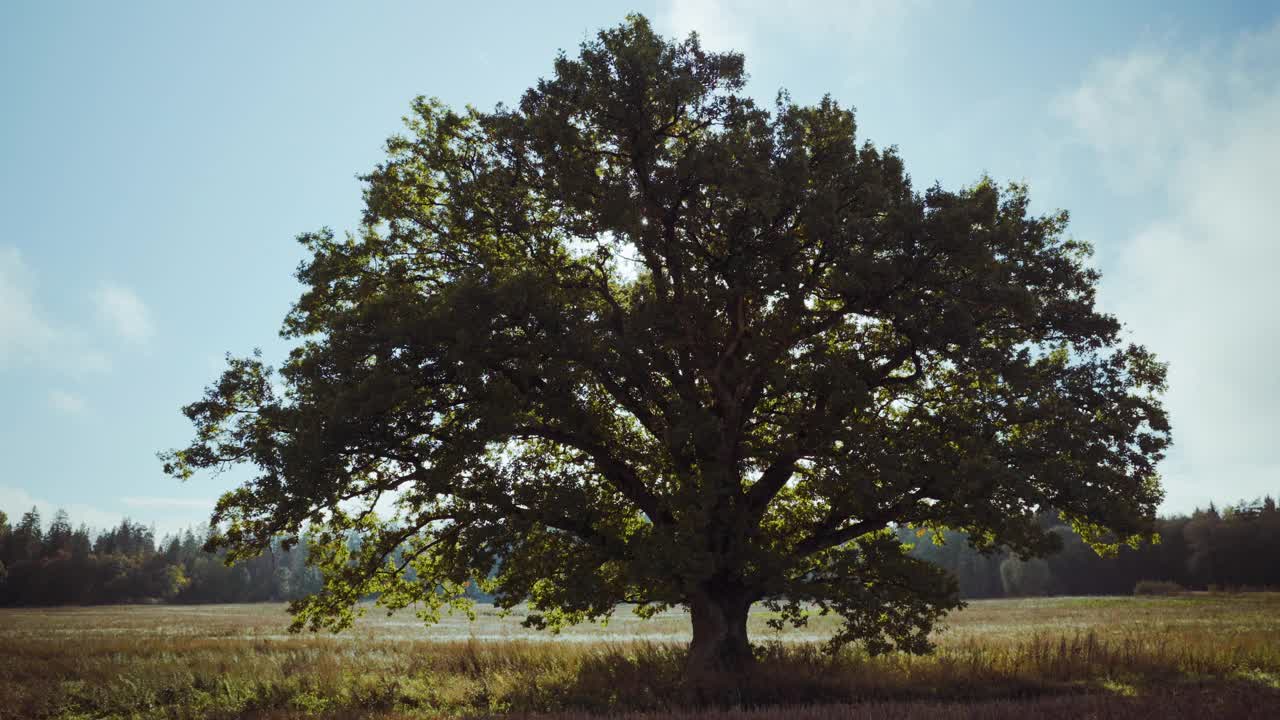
[1157, 587]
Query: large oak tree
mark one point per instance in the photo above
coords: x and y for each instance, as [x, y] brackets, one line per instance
[640, 340]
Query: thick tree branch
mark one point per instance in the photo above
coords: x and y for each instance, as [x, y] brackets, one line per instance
[824, 541]
[771, 482]
[621, 475]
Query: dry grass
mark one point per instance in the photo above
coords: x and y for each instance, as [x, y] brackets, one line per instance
[1207, 703]
[1214, 655]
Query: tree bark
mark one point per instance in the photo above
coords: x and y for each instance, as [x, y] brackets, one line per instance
[719, 633]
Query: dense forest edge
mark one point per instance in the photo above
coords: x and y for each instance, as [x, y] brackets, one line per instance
[1235, 548]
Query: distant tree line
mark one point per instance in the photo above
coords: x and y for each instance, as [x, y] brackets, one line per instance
[59, 564]
[1237, 547]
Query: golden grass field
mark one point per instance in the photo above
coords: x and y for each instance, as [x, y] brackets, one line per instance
[1197, 655]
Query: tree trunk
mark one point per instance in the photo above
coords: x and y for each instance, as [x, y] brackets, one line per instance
[719, 633]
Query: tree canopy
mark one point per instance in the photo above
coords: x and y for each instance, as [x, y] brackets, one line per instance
[639, 339]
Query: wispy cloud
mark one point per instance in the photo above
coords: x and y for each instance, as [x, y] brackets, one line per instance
[15, 501]
[67, 402]
[719, 26]
[168, 516]
[27, 336]
[124, 312]
[739, 24]
[24, 331]
[168, 503]
[1196, 132]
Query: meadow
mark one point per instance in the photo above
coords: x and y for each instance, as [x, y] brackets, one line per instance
[1215, 655]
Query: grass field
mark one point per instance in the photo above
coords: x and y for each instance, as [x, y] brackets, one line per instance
[1206, 655]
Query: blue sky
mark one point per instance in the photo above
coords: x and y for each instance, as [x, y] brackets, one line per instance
[157, 160]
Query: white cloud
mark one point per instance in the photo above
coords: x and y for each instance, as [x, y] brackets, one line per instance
[169, 503]
[16, 501]
[718, 27]
[27, 336]
[1136, 111]
[1199, 134]
[67, 402]
[736, 24]
[124, 312]
[168, 516]
[24, 332]
[89, 361]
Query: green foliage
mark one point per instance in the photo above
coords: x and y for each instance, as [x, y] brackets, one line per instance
[647, 341]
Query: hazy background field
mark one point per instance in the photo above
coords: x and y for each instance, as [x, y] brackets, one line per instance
[1223, 616]
[1060, 657]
